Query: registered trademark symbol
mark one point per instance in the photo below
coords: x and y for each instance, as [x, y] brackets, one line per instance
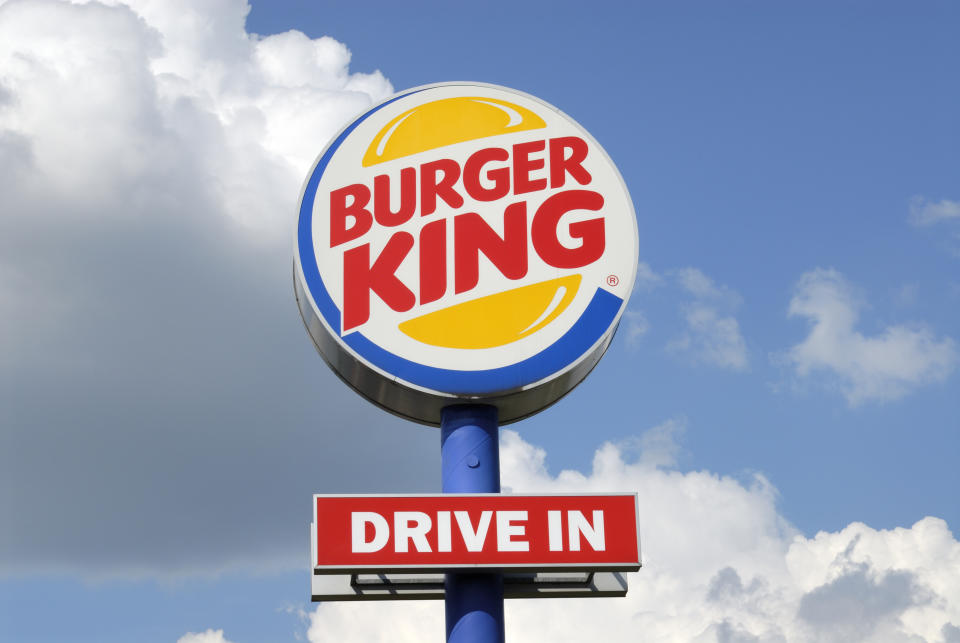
[612, 280]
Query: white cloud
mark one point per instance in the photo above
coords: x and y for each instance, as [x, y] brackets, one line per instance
[144, 96]
[152, 359]
[720, 565]
[710, 336]
[882, 367]
[209, 636]
[637, 326]
[647, 279]
[923, 212]
[698, 284]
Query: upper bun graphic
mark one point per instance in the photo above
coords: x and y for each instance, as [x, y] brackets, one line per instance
[447, 121]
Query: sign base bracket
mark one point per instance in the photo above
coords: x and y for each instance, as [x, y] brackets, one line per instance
[385, 587]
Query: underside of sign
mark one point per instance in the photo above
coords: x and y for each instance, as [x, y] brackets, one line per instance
[384, 587]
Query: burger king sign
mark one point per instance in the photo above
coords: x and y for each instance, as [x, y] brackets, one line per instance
[463, 243]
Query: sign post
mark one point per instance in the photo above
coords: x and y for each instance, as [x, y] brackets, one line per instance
[470, 463]
[464, 254]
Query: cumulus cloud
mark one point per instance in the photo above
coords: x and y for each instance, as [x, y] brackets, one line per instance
[209, 636]
[924, 212]
[647, 279]
[711, 338]
[152, 359]
[711, 334]
[636, 323]
[864, 368]
[720, 565]
[699, 285]
[637, 326]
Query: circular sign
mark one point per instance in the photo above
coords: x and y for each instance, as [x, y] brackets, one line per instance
[464, 243]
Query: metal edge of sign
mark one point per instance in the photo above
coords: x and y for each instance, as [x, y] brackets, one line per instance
[486, 567]
[409, 400]
[552, 494]
[572, 494]
[313, 540]
[636, 515]
[345, 587]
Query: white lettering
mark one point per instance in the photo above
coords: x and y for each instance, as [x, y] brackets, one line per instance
[506, 530]
[473, 539]
[370, 531]
[555, 530]
[577, 525]
[443, 531]
[358, 523]
[410, 525]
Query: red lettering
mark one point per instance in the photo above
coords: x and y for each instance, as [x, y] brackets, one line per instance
[340, 210]
[543, 232]
[360, 279]
[500, 176]
[561, 164]
[433, 261]
[472, 236]
[523, 165]
[408, 198]
[431, 186]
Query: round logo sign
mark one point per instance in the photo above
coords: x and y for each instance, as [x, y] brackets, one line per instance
[464, 243]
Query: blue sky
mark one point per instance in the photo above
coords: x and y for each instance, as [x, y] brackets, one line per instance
[782, 392]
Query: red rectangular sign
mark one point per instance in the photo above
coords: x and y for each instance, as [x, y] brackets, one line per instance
[454, 531]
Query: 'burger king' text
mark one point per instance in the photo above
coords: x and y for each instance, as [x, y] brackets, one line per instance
[490, 174]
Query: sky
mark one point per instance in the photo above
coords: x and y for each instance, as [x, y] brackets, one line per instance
[781, 393]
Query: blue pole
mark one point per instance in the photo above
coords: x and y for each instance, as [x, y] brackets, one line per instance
[470, 461]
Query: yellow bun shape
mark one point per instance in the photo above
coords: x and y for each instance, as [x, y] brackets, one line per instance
[445, 122]
[497, 319]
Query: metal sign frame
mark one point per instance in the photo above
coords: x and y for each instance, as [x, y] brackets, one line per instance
[386, 587]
